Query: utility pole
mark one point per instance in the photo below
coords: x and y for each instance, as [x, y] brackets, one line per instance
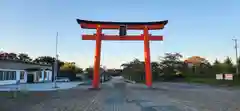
[236, 51]
[56, 62]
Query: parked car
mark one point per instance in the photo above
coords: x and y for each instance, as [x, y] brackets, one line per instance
[62, 79]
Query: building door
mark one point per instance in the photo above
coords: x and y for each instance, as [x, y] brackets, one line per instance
[30, 78]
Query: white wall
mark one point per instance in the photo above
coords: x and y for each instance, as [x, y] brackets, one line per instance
[25, 77]
[49, 73]
[17, 75]
[42, 74]
[7, 82]
[48, 78]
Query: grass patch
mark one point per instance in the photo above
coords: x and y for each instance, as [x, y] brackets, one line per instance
[12, 94]
[201, 80]
[6, 94]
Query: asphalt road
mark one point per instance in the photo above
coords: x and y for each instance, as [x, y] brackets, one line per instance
[116, 95]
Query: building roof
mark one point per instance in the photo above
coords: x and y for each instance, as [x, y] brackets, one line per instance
[20, 65]
[24, 62]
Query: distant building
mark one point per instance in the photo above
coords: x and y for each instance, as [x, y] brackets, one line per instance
[12, 71]
[114, 72]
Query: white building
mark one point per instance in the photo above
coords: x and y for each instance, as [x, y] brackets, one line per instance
[12, 71]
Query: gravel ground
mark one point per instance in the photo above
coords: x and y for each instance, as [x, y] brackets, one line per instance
[202, 97]
[118, 96]
[63, 100]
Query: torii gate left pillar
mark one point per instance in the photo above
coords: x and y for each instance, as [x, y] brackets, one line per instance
[122, 26]
[96, 75]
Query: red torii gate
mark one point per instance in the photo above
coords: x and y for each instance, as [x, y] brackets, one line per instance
[123, 27]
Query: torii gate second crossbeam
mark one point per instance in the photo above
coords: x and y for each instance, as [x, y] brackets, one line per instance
[122, 27]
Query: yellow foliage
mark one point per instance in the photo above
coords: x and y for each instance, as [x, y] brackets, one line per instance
[196, 60]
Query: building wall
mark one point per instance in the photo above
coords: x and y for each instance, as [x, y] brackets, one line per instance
[48, 75]
[41, 76]
[20, 73]
[25, 78]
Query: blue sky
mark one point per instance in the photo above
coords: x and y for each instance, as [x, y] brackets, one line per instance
[196, 27]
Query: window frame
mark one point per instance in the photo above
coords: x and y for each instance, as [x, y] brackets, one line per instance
[8, 74]
[1, 75]
[22, 75]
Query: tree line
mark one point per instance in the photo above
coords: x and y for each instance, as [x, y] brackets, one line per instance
[172, 67]
[23, 57]
[168, 67]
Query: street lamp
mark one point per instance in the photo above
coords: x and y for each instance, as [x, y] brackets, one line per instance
[236, 52]
[56, 63]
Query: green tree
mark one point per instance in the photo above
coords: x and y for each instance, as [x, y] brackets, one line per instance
[217, 67]
[134, 70]
[216, 62]
[238, 60]
[71, 66]
[155, 70]
[48, 60]
[12, 56]
[78, 70]
[45, 60]
[227, 66]
[24, 57]
[204, 70]
[90, 70]
[170, 65]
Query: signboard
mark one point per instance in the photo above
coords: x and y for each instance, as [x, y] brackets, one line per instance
[219, 76]
[228, 76]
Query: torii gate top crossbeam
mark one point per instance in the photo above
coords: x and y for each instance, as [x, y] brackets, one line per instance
[116, 25]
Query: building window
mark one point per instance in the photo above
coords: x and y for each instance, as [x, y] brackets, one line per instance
[1, 75]
[38, 75]
[7, 75]
[12, 75]
[22, 73]
[4, 75]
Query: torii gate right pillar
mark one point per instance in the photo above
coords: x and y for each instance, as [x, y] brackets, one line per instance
[147, 57]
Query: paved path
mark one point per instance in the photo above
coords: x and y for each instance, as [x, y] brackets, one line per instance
[119, 96]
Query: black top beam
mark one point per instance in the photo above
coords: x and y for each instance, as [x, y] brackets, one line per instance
[122, 23]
